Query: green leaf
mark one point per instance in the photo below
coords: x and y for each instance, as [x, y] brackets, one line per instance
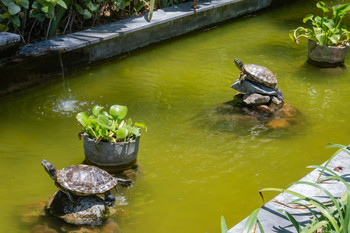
[45, 9]
[93, 7]
[40, 17]
[6, 15]
[103, 121]
[223, 225]
[307, 18]
[342, 9]
[248, 226]
[13, 8]
[24, 3]
[6, 2]
[335, 39]
[329, 24]
[4, 28]
[292, 220]
[322, 6]
[135, 131]
[15, 20]
[83, 119]
[122, 133]
[79, 9]
[36, 5]
[141, 125]
[151, 10]
[87, 14]
[118, 111]
[96, 110]
[322, 39]
[62, 4]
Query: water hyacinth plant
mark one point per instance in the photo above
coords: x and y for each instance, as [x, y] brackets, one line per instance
[109, 126]
[325, 30]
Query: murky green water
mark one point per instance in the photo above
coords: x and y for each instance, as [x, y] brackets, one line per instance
[193, 169]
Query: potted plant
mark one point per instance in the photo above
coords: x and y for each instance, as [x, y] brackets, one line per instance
[110, 142]
[328, 39]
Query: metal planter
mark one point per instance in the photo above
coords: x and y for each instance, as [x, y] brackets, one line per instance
[326, 56]
[112, 157]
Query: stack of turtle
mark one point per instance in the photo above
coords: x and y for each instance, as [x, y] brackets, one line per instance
[258, 92]
[77, 202]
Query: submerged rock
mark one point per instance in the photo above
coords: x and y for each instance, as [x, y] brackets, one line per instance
[278, 123]
[88, 210]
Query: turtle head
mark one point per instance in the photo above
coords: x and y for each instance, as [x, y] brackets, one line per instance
[49, 168]
[239, 64]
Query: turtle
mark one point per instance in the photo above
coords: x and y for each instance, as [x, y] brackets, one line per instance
[257, 74]
[84, 180]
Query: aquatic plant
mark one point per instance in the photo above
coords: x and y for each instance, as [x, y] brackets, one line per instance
[330, 216]
[325, 30]
[109, 127]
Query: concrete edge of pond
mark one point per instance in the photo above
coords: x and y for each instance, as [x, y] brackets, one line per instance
[274, 221]
[53, 58]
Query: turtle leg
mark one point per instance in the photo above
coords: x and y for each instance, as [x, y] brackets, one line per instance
[109, 199]
[241, 78]
[123, 182]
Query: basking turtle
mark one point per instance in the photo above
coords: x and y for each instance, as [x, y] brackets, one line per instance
[256, 73]
[84, 180]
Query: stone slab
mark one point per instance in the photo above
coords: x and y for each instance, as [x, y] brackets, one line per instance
[54, 58]
[273, 221]
[9, 38]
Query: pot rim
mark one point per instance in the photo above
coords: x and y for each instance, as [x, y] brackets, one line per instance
[329, 46]
[85, 135]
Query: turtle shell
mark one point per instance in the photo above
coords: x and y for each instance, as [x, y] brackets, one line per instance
[260, 74]
[85, 180]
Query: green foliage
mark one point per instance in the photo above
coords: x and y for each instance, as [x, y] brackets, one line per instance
[11, 11]
[42, 9]
[325, 30]
[49, 16]
[109, 127]
[331, 216]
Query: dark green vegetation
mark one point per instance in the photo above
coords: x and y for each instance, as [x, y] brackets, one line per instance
[36, 20]
[109, 127]
[326, 30]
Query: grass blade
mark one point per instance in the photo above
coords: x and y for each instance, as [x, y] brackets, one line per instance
[248, 226]
[223, 225]
[291, 219]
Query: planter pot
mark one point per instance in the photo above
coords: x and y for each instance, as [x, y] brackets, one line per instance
[112, 157]
[326, 56]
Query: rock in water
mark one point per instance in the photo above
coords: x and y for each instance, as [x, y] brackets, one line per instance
[251, 88]
[88, 210]
[256, 99]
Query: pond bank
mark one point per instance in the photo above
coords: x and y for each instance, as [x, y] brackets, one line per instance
[54, 58]
[274, 221]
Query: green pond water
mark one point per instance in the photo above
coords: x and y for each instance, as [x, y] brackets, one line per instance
[195, 166]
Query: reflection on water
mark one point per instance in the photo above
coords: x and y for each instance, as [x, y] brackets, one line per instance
[197, 164]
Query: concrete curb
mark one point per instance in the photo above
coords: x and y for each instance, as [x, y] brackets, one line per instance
[53, 58]
[273, 221]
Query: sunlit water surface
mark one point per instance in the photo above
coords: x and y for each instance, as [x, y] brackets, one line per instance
[194, 167]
